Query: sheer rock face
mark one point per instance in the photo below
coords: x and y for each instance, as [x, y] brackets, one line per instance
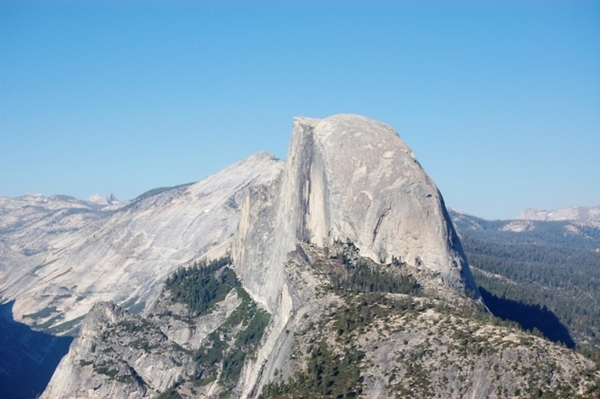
[347, 178]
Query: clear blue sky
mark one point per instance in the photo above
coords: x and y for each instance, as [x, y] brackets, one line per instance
[499, 100]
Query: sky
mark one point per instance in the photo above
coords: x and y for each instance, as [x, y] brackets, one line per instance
[499, 100]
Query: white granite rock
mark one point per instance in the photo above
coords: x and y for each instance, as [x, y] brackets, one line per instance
[347, 177]
[60, 255]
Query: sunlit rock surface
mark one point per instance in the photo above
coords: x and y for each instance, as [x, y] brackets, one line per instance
[580, 213]
[60, 255]
[347, 177]
[351, 195]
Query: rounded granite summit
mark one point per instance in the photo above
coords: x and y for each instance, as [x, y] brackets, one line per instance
[377, 195]
[348, 177]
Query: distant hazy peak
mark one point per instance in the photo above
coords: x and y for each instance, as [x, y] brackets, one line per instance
[582, 213]
[101, 200]
[263, 155]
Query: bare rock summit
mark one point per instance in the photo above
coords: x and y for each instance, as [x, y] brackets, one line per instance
[343, 276]
[60, 255]
[347, 177]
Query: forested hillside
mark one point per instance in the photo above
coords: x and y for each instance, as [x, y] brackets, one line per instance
[544, 275]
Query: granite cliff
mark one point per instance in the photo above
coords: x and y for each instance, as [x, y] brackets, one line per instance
[363, 330]
[348, 177]
[60, 255]
[342, 276]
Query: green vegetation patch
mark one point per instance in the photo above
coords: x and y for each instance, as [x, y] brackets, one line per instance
[225, 350]
[335, 372]
[328, 375]
[351, 274]
[363, 277]
[203, 285]
[551, 267]
[561, 283]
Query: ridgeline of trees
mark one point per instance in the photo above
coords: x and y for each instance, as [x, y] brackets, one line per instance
[543, 278]
[563, 234]
[365, 278]
[350, 274]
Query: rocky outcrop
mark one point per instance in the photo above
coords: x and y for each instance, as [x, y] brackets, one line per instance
[347, 177]
[121, 355]
[343, 339]
[110, 359]
[103, 201]
[60, 255]
[351, 281]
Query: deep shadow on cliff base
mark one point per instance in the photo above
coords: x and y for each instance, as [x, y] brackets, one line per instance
[28, 358]
[529, 317]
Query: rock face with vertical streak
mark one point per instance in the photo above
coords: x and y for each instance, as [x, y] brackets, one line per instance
[345, 277]
[348, 177]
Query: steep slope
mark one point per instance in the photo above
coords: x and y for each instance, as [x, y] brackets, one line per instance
[543, 274]
[347, 280]
[348, 178]
[364, 330]
[61, 255]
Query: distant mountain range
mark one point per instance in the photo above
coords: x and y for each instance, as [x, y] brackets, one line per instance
[526, 266]
[337, 273]
[570, 233]
[581, 213]
[59, 255]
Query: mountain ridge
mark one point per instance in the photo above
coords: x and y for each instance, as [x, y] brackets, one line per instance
[580, 213]
[72, 256]
[549, 270]
[336, 273]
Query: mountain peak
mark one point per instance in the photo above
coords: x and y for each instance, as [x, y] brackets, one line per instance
[110, 199]
[342, 258]
[342, 124]
[348, 178]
